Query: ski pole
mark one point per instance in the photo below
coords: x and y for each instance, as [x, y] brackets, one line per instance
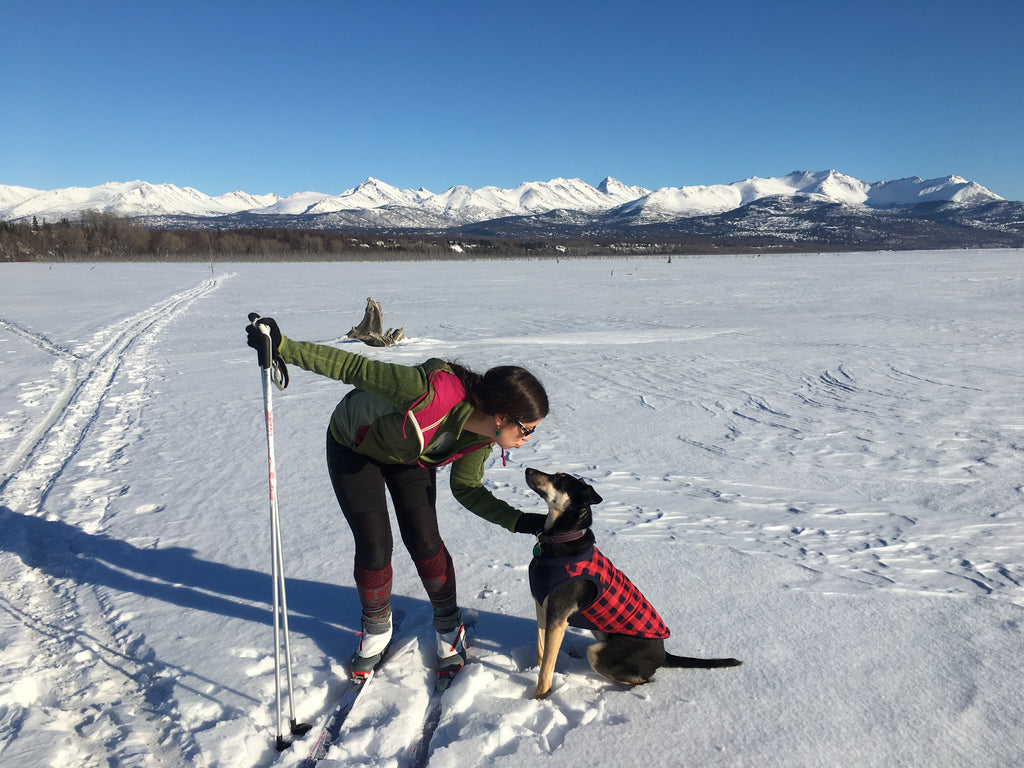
[272, 374]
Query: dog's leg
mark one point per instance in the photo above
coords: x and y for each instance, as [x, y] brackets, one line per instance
[558, 607]
[541, 626]
[552, 638]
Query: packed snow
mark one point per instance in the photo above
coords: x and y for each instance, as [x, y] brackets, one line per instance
[812, 463]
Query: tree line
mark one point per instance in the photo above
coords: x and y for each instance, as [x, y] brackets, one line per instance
[99, 236]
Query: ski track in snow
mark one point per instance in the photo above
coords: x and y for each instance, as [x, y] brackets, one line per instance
[110, 706]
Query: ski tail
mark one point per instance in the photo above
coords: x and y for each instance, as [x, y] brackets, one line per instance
[688, 662]
[418, 752]
[333, 729]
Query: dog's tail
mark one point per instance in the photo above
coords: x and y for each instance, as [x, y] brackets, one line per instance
[690, 663]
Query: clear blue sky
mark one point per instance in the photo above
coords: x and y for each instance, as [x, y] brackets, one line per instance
[307, 95]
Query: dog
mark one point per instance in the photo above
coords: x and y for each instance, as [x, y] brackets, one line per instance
[574, 584]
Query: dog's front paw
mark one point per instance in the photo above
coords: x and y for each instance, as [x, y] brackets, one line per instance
[539, 694]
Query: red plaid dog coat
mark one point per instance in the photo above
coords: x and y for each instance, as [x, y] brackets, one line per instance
[619, 608]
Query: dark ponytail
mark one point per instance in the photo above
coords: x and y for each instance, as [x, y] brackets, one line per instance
[506, 389]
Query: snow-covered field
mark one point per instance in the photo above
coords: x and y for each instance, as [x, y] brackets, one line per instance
[812, 463]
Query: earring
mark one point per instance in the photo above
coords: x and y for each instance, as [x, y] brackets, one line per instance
[498, 433]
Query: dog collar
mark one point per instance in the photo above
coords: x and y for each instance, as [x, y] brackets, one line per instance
[561, 538]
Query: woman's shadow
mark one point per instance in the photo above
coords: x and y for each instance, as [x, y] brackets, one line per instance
[171, 574]
[175, 575]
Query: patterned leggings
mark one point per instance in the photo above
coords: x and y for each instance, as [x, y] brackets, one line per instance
[360, 483]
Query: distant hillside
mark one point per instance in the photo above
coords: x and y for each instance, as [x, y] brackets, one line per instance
[819, 210]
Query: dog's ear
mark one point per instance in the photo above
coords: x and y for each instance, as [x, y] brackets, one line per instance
[594, 498]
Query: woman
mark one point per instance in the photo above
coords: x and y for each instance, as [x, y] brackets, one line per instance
[392, 432]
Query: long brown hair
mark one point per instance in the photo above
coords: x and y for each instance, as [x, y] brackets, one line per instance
[506, 389]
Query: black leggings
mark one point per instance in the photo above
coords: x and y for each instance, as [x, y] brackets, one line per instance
[359, 484]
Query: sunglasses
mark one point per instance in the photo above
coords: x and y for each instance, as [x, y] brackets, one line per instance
[527, 431]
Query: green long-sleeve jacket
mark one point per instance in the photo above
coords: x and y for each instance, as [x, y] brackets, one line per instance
[377, 419]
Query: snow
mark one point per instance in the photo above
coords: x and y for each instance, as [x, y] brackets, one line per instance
[812, 463]
[915, 190]
[669, 203]
[296, 203]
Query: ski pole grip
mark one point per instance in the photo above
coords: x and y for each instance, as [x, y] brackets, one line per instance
[265, 350]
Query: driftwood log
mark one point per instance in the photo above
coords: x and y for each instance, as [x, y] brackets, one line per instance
[371, 330]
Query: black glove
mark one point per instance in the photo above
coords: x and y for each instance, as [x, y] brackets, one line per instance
[257, 339]
[267, 347]
[530, 522]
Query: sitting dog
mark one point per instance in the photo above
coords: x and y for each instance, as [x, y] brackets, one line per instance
[573, 583]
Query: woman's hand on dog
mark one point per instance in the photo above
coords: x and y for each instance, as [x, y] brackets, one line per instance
[530, 522]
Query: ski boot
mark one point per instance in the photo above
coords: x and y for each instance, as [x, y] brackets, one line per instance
[451, 648]
[373, 644]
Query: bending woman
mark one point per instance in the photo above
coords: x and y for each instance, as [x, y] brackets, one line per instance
[390, 434]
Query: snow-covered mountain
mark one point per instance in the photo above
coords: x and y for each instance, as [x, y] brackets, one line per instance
[381, 205]
[134, 199]
[826, 186]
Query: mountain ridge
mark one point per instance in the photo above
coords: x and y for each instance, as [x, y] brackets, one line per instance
[462, 205]
[801, 210]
